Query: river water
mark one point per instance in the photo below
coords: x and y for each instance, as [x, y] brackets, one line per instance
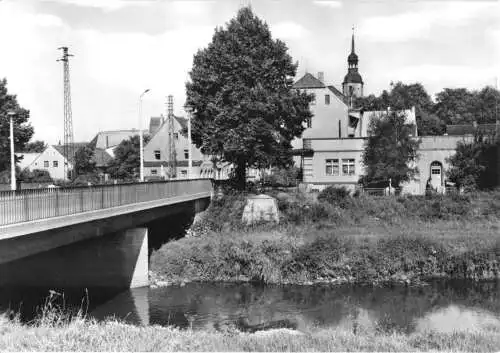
[440, 306]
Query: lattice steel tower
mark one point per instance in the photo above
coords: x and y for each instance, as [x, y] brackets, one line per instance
[68, 119]
[172, 155]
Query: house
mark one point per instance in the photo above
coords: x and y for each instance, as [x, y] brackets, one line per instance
[330, 149]
[52, 159]
[157, 159]
[109, 140]
[27, 159]
[156, 152]
[55, 157]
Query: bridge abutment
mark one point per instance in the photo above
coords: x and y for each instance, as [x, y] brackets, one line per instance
[117, 260]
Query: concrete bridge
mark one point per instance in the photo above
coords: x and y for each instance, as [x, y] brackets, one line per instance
[88, 236]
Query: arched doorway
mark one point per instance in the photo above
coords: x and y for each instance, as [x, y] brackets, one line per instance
[436, 174]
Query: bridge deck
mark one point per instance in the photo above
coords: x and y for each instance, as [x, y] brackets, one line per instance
[26, 206]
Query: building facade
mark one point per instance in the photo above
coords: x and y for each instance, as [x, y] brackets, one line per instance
[156, 152]
[331, 147]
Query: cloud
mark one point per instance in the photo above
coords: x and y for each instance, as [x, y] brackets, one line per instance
[418, 24]
[289, 30]
[328, 3]
[108, 5]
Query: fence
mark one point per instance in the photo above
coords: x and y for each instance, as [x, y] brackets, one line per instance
[28, 205]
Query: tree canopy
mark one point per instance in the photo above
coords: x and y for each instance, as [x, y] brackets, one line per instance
[37, 146]
[452, 105]
[475, 163]
[245, 110]
[125, 165]
[84, 161]
[23, 131]
[390, 151]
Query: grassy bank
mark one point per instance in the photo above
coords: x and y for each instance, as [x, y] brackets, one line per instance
[85, 335]
[348, 239]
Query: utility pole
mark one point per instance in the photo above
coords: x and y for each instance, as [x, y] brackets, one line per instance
[141, 138]
[172, 155]
[12, 156]
[68, 118]
[190, 157]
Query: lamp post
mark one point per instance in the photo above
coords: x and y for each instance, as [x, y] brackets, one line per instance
[190, 157]
[12, 157]
[141, 143]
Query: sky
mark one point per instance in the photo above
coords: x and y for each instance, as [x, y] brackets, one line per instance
[122, 47]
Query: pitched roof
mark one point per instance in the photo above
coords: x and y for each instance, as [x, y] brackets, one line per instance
[339, 94]
[308, 81]
[101, 157]
[71, 150]
[469, 129]
[182, 121]
[107, 139]
[154, 124]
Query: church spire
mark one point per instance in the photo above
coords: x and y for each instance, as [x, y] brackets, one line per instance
[353, 83]
[352, 43]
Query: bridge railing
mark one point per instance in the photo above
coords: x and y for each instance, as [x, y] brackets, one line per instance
[33, 204]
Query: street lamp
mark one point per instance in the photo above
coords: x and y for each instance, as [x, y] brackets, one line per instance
[12, 157]
[190, 157]
[141, 153]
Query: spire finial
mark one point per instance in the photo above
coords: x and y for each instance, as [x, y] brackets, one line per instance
[352, 44]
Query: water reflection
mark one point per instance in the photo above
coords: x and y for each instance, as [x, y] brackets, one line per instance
[441, 306]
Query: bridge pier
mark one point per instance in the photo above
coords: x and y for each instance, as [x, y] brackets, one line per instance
[117, 260]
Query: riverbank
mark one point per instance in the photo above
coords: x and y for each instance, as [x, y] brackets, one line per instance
[370, 240]
[87, 335]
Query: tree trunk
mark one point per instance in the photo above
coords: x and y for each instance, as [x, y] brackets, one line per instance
[240, 174]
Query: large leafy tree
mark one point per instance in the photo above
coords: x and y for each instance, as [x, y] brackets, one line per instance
[125, 165]
[244, 108]
[455, 106]
[475, 163]
[390, 150]
[405, 96]
[84, 161]
[37, 146]
[23, 131]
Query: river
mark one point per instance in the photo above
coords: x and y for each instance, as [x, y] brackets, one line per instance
[441, 306]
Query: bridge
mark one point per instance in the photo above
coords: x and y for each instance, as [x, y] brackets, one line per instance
[93, 236]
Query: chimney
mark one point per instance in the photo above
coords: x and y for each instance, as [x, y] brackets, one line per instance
[321, 76]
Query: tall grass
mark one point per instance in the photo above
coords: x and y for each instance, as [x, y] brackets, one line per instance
[356, 239]
[112, 335]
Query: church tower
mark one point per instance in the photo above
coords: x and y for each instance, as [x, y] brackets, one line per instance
[353, 83]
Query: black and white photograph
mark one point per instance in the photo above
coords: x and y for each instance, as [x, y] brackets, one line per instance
[250, 175]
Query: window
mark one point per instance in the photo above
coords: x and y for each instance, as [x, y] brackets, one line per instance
[154, 172]
[309, 122]
[45, 164]
[313, 100]
[327, 99]
[157, 154]
[348, 167]
[176, 135]
[436, 170]
[55, 164]
[186, 154]
[184, 173]
[332, 167]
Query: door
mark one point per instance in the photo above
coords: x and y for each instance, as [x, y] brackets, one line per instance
[436, 175]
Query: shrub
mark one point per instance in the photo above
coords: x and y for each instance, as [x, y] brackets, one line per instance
[335, 196]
